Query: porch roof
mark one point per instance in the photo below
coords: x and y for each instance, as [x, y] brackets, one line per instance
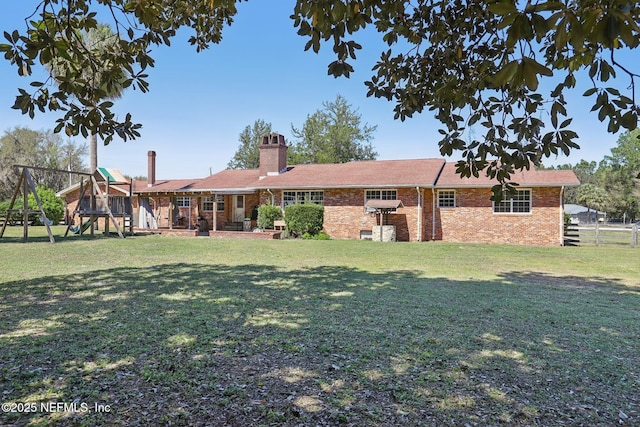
[383, 205]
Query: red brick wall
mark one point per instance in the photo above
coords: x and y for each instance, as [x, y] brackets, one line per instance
[345, 217]
[473, 220]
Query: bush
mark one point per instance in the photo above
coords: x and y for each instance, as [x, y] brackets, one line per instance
[267, 214]
[304, 218]
[16, 217]
[52, 205]
[319, 236]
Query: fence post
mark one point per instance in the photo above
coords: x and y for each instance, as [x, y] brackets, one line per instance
[597, 232]
[634, 235]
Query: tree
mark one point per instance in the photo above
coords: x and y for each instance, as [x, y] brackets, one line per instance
[23, 146]
[332, 135]
[248, 154]
[18, 146]
[102, 79]
[592, 196]
[620, 176]
[470, 62]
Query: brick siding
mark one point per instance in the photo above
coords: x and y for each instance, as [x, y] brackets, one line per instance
[473, 220]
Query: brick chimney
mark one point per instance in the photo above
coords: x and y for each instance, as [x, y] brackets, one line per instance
[273, 155]
[151, 168]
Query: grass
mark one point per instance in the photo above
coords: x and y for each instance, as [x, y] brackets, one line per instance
[186, 331]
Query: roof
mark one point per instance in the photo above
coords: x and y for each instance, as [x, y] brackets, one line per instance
[578, 209]
[525, 178]
[230, 180]
[115, 178]
[360, 174]
[165, 186]
[383, 204]
[113, 175]
[363, 174]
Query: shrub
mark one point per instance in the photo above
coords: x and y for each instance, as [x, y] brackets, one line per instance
[304, 218]
[16, 217]
[267, 214]
[52, 205]
[319, 236]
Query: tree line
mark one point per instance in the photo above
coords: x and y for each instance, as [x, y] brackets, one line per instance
[23, 146]
[613, 184]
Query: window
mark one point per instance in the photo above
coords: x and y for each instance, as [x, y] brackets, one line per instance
[207, 204]
[183, 202]
[518, 203]
[380, 195]
[292, 197]
[446, 199]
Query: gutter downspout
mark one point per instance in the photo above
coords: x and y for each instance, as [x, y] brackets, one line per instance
[433, 213]
[561, 206]
[419, 236]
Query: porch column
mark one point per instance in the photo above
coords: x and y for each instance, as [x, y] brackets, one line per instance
[170, 213]
[215, 212]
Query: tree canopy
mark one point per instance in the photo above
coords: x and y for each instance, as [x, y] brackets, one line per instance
[333, 134]
[23, 146]
[613, 183]
[470, 62]
[247, 155]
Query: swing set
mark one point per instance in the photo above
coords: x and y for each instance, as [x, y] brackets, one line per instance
[98, 206]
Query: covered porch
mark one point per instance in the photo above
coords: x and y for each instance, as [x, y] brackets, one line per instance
[199, 213]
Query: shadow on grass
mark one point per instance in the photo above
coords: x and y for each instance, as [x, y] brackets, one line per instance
[186, 344]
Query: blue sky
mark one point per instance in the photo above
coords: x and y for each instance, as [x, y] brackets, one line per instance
[200, 102]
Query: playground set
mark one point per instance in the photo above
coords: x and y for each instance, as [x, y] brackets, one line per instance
[93, 203]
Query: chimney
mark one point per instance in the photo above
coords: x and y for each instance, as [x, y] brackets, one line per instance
[151, 168]
[273, 155]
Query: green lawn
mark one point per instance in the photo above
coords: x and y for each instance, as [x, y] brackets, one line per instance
[194, 331]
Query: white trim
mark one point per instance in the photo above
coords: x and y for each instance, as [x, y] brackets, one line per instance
[511, 212]
[455, 201]
[369, 210]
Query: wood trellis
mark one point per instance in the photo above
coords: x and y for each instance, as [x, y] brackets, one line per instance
[26, 183]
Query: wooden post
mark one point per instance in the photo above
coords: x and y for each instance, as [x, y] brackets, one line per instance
[13, 200]
[597, 231]
[28, 180]
[25, 208]
[106, 223]
[634, 235]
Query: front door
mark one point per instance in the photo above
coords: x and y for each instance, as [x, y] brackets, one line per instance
[238, 208]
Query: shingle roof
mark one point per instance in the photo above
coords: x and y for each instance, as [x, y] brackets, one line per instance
[362, 174]
[375, 173]
[530, 178]
[165, 186]
[229, 180]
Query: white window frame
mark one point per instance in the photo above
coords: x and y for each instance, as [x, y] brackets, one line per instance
[451, 199]
[220, 200]
[517, 201]
[291, 197]
[183, 201]
[384, 194]
[210, 200]
[207, 204]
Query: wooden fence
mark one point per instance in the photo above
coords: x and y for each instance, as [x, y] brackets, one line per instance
[602, 234]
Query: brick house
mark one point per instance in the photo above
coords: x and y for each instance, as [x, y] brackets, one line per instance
[433, 202]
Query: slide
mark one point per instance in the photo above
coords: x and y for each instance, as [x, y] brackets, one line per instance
[85, 227]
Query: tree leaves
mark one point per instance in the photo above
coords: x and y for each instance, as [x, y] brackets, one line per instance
[479, 60]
